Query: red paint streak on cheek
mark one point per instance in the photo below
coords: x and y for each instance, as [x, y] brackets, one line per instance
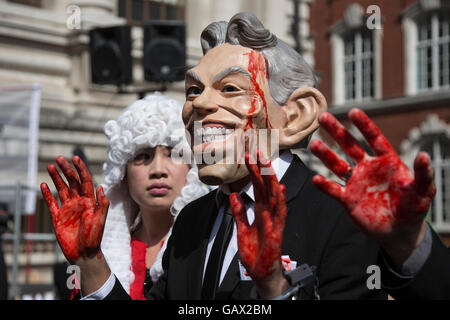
[256, 65]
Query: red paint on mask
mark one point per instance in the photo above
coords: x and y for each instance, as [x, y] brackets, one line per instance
[256, 66]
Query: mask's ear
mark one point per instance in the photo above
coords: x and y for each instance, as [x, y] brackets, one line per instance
[302, 110]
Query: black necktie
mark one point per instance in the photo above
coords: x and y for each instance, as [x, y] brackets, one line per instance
[217, 254]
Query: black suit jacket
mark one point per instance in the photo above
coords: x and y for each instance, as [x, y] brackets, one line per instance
[431, 282]
[317, 232]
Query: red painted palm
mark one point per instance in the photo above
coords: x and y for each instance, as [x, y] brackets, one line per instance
[79, 222]
[381, 194]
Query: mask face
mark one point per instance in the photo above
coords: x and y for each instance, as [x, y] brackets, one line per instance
[228, 105]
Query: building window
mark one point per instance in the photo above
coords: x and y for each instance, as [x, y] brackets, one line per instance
[433, 51]
[138, 11]
[433, 137]
[426, 29]
[438, 147]
[358, 65]
[356, 53]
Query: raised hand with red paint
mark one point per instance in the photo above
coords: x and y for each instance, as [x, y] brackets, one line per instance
[79, 222]
[260, 243]
[383, 198]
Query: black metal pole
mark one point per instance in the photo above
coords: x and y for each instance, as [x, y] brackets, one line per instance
[295, 26]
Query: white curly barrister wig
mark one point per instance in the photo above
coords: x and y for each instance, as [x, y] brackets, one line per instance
[147, 123]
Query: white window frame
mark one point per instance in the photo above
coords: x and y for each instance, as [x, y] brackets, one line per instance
[431, 129]
[358, 59]
[434, 43]
[439, 165]
[410, 21]
[337, 35]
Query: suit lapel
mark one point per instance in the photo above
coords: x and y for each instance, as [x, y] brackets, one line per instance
[230, 281]
[294, 178]
[197, 258]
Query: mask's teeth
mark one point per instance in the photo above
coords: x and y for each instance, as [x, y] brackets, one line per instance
[211, 134]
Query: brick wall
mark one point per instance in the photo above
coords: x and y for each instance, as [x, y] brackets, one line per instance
[326, 13]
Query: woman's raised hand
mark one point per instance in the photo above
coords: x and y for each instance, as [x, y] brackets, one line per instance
[80, 220]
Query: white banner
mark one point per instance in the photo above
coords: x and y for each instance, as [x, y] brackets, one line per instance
[19, 137]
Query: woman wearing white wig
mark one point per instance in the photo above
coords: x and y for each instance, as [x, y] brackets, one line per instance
[131, 215]
[146, 188]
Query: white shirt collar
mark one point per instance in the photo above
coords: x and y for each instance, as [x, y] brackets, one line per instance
[279, 165]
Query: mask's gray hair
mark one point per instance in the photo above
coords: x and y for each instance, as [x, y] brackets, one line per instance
[287, 68]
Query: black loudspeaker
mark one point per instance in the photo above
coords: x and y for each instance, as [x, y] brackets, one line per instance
[164, 50]
[110, 50]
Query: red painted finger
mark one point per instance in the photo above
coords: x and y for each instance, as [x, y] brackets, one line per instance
[377, 141]
[268, 175]
[264, 163]
[347, 142]
[332, 161]
[50, 200]
[87, 188]
[329, 187]
[239, 212]
[246, 235]
[265, 168]
[423, 175]
[71, 176]
[61, 187]
[264, 224]
[281, 209]
[255, 176]
[92, 225]
[102, 200]
[91, 231]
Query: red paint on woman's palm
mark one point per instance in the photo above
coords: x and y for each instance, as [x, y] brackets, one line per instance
[79, 222]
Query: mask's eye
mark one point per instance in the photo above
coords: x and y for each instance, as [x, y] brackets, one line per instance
[230, 88]
[193, 91]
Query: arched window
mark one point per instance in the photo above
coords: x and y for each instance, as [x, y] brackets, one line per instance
[438, 147]
[433, 137]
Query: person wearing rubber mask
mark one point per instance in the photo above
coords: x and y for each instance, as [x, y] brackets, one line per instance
[266, 216]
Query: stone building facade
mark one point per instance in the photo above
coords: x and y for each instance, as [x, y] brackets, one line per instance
[45, 42]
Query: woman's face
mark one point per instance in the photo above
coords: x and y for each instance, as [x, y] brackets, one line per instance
[154, 180]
